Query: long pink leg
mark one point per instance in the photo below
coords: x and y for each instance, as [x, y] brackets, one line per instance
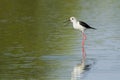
[83, 53]
[84, 36]
[83, 39]
[83, 49]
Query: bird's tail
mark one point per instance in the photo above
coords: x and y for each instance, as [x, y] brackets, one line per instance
[93, 28]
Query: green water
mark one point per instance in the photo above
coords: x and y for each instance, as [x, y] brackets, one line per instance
[28, 30]
[36, 44]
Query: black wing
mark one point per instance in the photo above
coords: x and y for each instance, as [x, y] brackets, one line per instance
[85, 25]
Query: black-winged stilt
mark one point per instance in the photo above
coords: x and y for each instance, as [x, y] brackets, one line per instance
[82, 26]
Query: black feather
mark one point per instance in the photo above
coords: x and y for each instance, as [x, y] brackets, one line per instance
[85, 25]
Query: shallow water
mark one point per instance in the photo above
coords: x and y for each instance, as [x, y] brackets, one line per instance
[36, 44]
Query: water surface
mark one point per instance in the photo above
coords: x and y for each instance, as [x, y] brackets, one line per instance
[36, 44]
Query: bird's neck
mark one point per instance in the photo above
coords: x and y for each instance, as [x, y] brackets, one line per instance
[74, 22]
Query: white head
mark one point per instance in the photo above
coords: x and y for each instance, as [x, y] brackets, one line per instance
[72, 19]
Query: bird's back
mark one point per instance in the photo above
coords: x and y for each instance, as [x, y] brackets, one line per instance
[85, 25]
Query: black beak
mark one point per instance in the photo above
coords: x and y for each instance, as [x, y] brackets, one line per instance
[67, 21]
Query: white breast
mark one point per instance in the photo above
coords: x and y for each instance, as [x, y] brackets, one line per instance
[77, 26]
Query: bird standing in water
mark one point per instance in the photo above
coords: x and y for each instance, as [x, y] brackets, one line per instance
[81, 26]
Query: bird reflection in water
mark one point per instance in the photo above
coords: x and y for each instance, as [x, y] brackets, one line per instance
[79, 69]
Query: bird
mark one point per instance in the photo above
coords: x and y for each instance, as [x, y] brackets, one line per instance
[81, 26]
